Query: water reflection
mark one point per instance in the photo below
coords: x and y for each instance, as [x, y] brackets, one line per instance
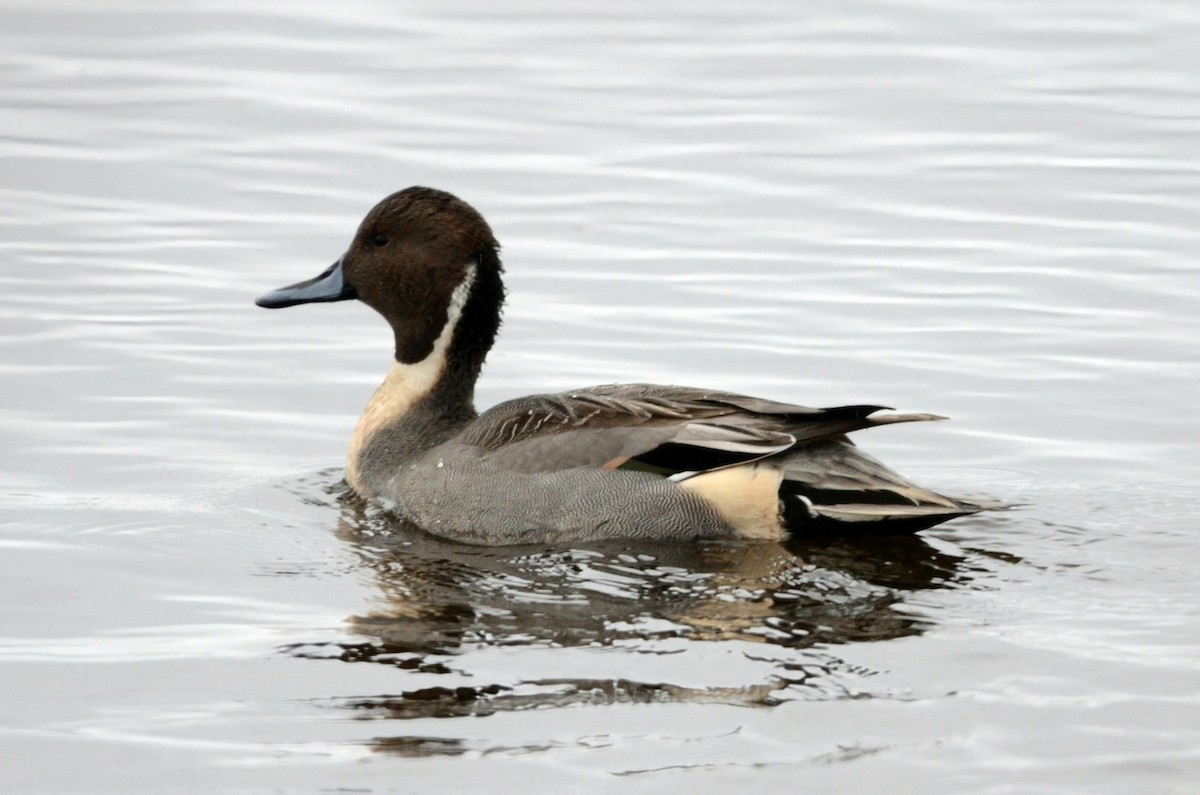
[439, 602]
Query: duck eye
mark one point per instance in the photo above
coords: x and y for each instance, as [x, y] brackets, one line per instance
[381, 240]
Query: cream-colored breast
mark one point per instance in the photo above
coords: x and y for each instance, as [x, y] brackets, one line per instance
[404, 386]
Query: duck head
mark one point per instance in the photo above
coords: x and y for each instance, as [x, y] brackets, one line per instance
[427, 262]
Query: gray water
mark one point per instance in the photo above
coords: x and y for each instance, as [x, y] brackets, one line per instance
[986, 210]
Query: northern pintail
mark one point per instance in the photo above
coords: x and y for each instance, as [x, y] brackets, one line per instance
[615, 461]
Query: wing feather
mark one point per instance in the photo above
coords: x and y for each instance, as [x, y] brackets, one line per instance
[606, 426]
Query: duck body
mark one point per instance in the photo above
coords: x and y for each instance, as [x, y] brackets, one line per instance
[613, 461]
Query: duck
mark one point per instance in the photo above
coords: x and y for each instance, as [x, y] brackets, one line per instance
[616, 461]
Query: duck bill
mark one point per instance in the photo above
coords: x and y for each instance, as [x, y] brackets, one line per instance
[329, 286]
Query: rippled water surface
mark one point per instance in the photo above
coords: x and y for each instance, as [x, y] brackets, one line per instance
[985, 210]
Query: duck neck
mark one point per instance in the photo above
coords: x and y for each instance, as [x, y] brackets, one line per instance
[422, 404]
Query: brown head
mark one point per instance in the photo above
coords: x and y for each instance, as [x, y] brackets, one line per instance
[419, 257]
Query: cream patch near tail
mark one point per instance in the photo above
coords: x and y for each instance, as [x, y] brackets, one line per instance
[746, 497]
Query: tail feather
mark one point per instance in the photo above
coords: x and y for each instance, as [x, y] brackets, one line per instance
[889, 419]
[870, 517]
[840, 468]
[835, 485]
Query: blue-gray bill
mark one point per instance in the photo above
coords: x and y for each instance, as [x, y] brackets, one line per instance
[330, 285]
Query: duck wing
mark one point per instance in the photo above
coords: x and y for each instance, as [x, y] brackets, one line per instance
[666, 428]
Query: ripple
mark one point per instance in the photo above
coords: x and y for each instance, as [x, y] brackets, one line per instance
[979, 213]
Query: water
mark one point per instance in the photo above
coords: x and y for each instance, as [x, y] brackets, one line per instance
[985, 211]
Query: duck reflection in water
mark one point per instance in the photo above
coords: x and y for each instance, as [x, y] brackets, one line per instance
[439, 601]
